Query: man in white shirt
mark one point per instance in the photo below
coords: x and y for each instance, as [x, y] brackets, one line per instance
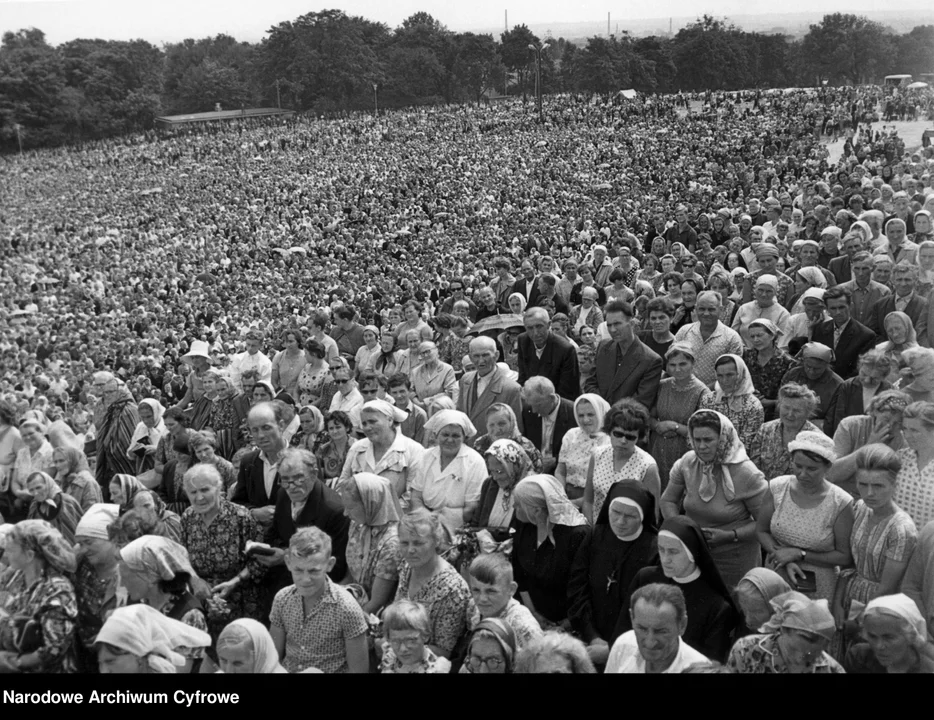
[654, 645]
[252, 359]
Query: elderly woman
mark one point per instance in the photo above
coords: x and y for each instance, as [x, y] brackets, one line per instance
[148, 503]
[754, 594]
[679, 396]
[507, 463]
[767, 363]
[685, 561]
[623, 541]
[288, 363]
[37, 629]
[805, 278]
[386, 361]
[203, 446]
[49, 503]
[245, 647]
[580, 442]
[769, 446]
[721, 283]
[315, 374]
[215, 533]
[156, 571]
[373, 540]
[332, 453]
[793, 640]
[451, 473]
[546, 543]
[501, 424]
[805, 522]
[555, 653]
[895, 635]
[145, 439]
[721, 490]
[854, 396]
[407, 630]
[34, 456]
[427, 578]
[626, 423]
[432, 377]
[902, 336]
[74, 476]
[226, 418]
[139, 639]
[915, 493]
[123, 489]
[409, 359]
[918, 377]
[882, 423]
[491, 648]
[734, 396]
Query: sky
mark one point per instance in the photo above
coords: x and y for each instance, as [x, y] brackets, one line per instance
[171, 20]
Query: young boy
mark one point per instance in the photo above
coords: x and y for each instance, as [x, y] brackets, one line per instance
[400, 390]
[493, 587]
[316, 623]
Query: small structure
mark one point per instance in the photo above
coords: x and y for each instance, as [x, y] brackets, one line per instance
[167, 121]
[897, 80]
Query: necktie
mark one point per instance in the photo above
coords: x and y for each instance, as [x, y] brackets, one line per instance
[474, 392]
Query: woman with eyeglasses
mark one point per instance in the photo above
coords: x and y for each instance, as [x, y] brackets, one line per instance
[626, 423]
[491, 650]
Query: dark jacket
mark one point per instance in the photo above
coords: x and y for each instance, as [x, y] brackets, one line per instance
[565, 420]
[847, 401]
[558, 363]
[251, 485]
[636, 375]
[917, 310]
[855, 339]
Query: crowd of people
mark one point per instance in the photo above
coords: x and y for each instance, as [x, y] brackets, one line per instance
[635, 390]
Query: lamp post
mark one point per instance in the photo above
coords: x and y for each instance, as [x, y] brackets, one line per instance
[375, 99]
[278, 99]
[538, 50]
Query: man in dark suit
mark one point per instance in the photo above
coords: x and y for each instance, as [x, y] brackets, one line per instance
[848, 338]
[546, 418]
[258, 482]
[841, 266]
[487, 385]
[624, 366]
[541, 352]
[548, 297]
[905, 299]
[527, 284]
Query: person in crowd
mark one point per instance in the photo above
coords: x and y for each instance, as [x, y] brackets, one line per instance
[765, 306]
[805, 522]
[176, 423]
[46, 598]
[754, 594]
[412, 314]
[659, 616]
[709, 338]
[311, 421]
[769, 447]
[11, 443]
[734, 396]
[901, 337]
[623, 541]
[399, 388]
[507, 463]
[316, 623]
[555, 653]
[793, 641]
[487, 384]
[626, 423]
[451, 473]
[502, 424]
[314, 375]
[903, 299]
[848, 338]
[767, 363]
[579, 443]
[543, 353]
[288, 363]
[347, 398]
[146, 436]
[493, 587]
[203, 445]
[332, 454]
[49, 503]
[491, 648]
[546, 419]
[815, 372]
[865, 291]
[120, 418]
[427, 578]
[36, 455]
[896, 639]
[918, 375]
[258, 481]
[679, 396]
[367, 353]
[856, 394]
[407, 630]
[138, 639]
[123, 489]
[915, 487]
[73, 475]
[252, 358]
[657, 335]
[432, 377]
[245, 647]
[624, 366]
[721, 490]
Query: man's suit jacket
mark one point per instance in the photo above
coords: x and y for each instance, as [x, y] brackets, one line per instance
[917, 310]
[558, 363]
[877, 291]
[251, 484]
[840, 267]
[855, 339]
[527, 288]
[500, 389]
[563, 422]
[636, 375]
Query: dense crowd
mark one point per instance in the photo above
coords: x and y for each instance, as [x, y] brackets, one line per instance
[645, 388]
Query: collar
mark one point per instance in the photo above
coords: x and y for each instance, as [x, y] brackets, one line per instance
[688, 578]
[554, 412]
[266, 461]
[907, 298]
[841, 328]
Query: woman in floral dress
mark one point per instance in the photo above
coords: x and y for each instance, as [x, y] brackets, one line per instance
[734, 396]
[767, 363]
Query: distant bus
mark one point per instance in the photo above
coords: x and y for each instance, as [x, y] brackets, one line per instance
[897, 80]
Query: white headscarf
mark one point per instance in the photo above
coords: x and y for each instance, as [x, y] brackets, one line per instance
[94, 522]
[443, 418]
[146, 633]
[395, 415]
[265, 655]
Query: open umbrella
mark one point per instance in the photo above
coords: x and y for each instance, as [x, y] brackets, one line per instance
[496, 322]
[917, 85]
[299, 250]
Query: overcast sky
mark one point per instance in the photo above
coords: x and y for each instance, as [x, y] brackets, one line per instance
[171, 20]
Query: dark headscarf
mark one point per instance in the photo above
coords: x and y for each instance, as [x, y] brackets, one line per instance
[633, 491]
[688, 532]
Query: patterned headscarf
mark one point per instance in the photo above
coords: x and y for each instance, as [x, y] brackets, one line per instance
[76, 459]
[798, 612]
[744, 384]
[545, 491]
[52, 489]
[129, 485]
[40, 537]
[157, 558]
[516, 461]
[730, 451]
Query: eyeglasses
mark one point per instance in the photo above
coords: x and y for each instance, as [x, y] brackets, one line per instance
[492, 663]
[406, 641]
[342, 382]
[688, 264]
[625, 435]
[456, 287]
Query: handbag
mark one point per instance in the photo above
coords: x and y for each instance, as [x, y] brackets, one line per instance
[26, 634]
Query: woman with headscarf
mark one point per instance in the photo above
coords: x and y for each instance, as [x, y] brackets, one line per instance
[37, 629]
[685, 561]
[792, 642]
[373, 538]
[96, 579]
[225, 419]
[679, 396]
[311, 428]
[623, 541]
[517, 303]
[149, 505]
[580, 442]
[550, 533]
[507, 463]
[491, 649]
[805, 279]
[895, 639]
[114, 430]
[156, 571]
[49, 503]
[918, 378]
[754, 594]
[245, 647]
[721, 490]
[145, 439]
[767, 363]
[734, 396]
[902, 336]
[451, 472]
[74, 476]
[139, 639]
[123, 489]
[501, 424]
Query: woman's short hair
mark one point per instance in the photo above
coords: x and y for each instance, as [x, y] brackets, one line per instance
[308, 542]
[697, 283]
[202, 471]
[796, 391]
[202, 437]
[339, 416]
[552, 644]
[299, 336]
[413, 304]
[722, 276]
[424, 523]
[173, 413]
[704, 419]
[628, 414]
[921, 410]
[314, 347]
[877, 456]
[7, 412]
[617, 274]
[661, 304]
[407, 615]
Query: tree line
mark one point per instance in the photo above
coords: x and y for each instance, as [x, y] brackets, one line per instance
[328, 61]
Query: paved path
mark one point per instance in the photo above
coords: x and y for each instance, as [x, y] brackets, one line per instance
[909, 131]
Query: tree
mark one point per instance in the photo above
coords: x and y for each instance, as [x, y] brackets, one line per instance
[480, 64]
[657, 51]
[710, 55]
[31, 81]
[201, 73]
[516, 54]
[847, 48]
[916, 51]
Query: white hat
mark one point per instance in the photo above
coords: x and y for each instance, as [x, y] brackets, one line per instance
[199, 349]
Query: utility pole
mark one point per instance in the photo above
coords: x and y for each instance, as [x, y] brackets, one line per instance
[278, 99]
[608, 25]
[538, 50]
[375, 99]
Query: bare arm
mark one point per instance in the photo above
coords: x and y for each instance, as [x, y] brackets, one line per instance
[415, 500]
[278, 639]
[381, 595]
[358, 655]
[470, 509]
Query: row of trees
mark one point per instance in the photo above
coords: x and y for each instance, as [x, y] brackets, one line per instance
[325, 61]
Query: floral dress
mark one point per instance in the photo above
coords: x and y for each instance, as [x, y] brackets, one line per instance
[760, 655]
[51, 602]
[745, 412]
[311, 384]
[447, 599]
[576, 450]
[767, 378]
[914, 491]
[372, 553]
[223, 423]
[605, 476]
[675, 405]
[769, 451]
